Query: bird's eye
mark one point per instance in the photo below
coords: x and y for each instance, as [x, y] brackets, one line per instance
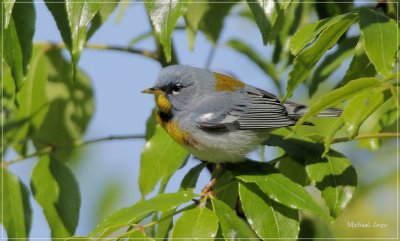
[176, 88]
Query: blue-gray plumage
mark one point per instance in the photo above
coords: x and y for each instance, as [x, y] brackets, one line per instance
[220, 119]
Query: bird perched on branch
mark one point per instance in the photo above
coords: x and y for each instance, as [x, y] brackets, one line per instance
[217, 117]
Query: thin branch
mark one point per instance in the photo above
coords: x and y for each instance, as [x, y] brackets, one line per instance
[146, 53]
[143, 52]
[142, 227]
[77, 144]
[367, 136]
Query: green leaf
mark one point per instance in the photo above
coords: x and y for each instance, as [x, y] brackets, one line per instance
[226, 189]
[59, 12]
[308, 33]
[269, 16]
[332, 62]
[359, 109]
[269, 219]
[267, 67]
[160, 158]
[334, 176]
[133, 214]
[360, 65]
[232, 226]
[71, 107]
[197, 223]
[139, 235]
[32, 99]
[164, 16]
[294, 147]
[331, 133]
[7, 8]
[213, 20]
[295, 170]
[307, 59]
[338, 95]
[16, 213]
[55, 189]
[80, 14]
[193, 17]
[151, 124]
[18, 38]
[72, 19]
[165, 225]
[380, 38]
[190, 179]
[280, 188]
[101, 16]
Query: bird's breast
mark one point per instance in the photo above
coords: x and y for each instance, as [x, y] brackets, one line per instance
[172, 127]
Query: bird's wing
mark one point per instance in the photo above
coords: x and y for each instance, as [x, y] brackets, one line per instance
[250, 108]
[264, 112]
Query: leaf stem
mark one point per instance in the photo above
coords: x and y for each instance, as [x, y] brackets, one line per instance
[50, 148]
[367, 136]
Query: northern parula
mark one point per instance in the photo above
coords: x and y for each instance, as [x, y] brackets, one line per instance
[217, 117]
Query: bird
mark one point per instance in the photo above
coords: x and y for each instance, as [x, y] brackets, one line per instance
[218, 118]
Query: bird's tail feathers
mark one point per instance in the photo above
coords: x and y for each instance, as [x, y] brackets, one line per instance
[297, 111]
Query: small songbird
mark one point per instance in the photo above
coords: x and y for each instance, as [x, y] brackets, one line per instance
[217, 117]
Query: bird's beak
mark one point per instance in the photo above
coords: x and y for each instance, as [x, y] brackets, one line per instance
[152, 90]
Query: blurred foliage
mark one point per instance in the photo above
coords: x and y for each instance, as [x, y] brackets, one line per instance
[47, 101]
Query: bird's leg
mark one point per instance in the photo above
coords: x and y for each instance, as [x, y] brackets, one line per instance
[217, 172]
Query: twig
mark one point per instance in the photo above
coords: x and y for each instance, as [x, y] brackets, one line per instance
[51, 148]
[146, 53]
[367, 136]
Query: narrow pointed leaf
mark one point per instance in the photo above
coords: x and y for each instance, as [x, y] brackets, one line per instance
[105, 10]
[16, 213]
[213, 20]
[190, 179]
[267, 67]
[338, 95]
[334, 176]
[133, 214]
[359, 109]
[193, 17]
[307, 59]
[380, 38]
[161, 157]
[307, 34]
[7, 8]
[269, 16]
[17, 40]
[332, 62]
[197, 223]
[233, 228]
[164, 15]
[55, 189]
[72, 19]
[80, 14]
[360, 65]
[269, 219]
[282, 190]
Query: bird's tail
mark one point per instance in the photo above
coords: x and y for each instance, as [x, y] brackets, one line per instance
[297, 110]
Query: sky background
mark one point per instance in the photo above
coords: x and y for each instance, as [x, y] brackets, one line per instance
[121, 109]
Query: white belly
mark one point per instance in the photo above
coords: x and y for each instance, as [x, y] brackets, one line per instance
[226, 146]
